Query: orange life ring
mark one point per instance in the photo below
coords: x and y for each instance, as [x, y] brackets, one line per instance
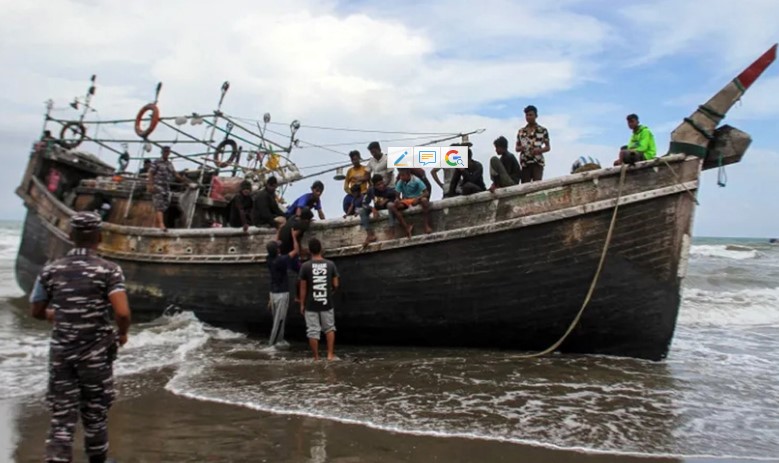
[78, 129]
[155, 119]
[235, 154]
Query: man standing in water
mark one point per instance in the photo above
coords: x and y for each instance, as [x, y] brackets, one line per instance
[77, 293]
[278, 267]
[319, 281]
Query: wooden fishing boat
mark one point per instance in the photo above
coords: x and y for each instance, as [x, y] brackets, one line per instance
[504, 270]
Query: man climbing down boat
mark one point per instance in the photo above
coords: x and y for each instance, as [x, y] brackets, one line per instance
[278, 269]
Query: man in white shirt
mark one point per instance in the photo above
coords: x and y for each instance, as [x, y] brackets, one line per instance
[378, 163]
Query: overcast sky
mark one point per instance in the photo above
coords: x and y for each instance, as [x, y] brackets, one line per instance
[441, 66]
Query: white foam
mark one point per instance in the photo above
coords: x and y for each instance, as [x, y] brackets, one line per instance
[726, 308]
[165, 343]
[23, 364]
[723, 251]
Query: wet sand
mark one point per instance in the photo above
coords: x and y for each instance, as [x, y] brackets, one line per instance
[149, 424]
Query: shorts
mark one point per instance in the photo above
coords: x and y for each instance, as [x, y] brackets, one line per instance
[409, 201]
[161, 199]
[317, 322]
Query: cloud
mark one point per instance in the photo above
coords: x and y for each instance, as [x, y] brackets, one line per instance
[727, 35]
[405, 66]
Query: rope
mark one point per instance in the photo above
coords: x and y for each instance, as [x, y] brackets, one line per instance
[342, 129]
[595, 279]
[679, 181]
[713, 115]
[698, 128]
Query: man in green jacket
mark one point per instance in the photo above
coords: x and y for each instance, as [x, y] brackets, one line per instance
[641, 146]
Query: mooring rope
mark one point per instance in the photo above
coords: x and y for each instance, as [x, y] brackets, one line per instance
[679, 181]
[595, 279]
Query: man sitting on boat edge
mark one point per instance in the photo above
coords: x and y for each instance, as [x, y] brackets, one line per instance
[379, 197]
[310, 200]
[504, 168]
[241, 207]
[468, 180]
[412, 191]
[641, 146]
[266, 212]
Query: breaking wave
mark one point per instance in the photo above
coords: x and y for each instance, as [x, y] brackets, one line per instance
[730, 251]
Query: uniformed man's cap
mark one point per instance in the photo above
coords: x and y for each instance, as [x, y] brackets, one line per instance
[86, 221]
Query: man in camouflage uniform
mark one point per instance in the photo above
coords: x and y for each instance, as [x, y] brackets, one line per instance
[161, 174]
[77, 293]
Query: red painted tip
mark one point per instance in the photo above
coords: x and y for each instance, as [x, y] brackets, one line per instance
[750, 74]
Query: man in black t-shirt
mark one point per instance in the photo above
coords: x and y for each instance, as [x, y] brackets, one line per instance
[241, 207]
[296, 225]
[319, 281]
[278, 268]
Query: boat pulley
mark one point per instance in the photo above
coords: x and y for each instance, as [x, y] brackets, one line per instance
[225, 88]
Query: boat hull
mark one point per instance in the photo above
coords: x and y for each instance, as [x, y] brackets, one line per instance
[517, 289]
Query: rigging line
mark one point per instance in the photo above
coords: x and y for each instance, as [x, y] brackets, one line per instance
[321, 165]
[316, 174]
[390, 132]
[262, 138]
[346, 129]
[113, 121]
[313, 144]
[386, 140]
[141, 141]
[456, 136]
[88, 138]
[176, 129]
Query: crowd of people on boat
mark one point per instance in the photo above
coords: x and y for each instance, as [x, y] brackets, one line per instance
[372, 187]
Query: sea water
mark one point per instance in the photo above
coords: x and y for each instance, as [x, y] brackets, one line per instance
[716, 395]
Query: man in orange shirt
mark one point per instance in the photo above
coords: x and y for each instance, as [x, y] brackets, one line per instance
[356, 175]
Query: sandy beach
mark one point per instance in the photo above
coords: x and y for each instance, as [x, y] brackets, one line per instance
[149, 424]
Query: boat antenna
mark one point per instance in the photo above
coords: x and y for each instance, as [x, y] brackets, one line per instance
[217, 114]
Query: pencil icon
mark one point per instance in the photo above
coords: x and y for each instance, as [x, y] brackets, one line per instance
[397, 161]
